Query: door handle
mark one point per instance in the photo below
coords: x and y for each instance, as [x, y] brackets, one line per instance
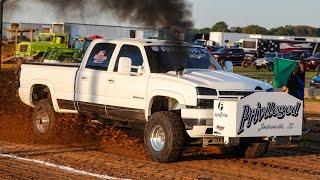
[84, 77]
[111, 80]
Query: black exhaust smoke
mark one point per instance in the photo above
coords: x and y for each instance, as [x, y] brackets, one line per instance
[173, 15]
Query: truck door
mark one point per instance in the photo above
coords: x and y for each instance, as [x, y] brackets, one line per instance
[91, 80]
[126, 93]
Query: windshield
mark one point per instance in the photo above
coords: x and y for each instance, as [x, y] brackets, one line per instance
[222, 50]
[163, 59]
[45, 38]
[200, 42]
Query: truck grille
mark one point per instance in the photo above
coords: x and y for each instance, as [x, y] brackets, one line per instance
[235, 93]
[24, 48]
[205, 103]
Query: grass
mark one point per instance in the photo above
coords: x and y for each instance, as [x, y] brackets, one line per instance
[267, 76]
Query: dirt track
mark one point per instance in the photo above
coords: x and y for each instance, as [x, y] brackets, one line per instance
[115, 152]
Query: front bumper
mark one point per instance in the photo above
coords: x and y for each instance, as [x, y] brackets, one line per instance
[198, 122]
[199, 125]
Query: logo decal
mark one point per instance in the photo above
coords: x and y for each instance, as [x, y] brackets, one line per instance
[100, 57]
[251, 116]
[220, 106]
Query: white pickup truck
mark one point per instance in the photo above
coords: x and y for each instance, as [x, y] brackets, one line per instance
[177, 90]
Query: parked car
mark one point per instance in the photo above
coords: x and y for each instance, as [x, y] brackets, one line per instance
[311, 63]
[267, 61]
[315, 82]
[299, 55]
[214, 48]
[235, 55]
[200, 42]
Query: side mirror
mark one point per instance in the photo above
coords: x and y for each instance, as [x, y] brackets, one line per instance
[228, 66]
[125, 65]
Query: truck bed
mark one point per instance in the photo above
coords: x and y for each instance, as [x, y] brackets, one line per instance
[59, 78]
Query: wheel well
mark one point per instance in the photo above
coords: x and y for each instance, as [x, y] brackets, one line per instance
[39, 92]
[162, 103]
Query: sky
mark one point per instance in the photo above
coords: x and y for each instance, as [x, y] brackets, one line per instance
[267, 13]
[205, 13]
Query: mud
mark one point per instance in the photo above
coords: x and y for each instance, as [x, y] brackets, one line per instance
[119, 152]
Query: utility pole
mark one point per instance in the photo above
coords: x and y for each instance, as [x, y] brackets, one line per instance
[1, 28]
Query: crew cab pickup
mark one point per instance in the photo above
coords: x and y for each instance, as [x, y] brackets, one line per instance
[177, 90]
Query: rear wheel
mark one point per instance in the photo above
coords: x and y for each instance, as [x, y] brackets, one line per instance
[164, 137]
[251, 150]
[258, 67]
[254, 65]
[44, 120]
[270, 67]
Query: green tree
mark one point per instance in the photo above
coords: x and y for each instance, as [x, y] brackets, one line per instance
[204, 30]
[254, 29]
[295, 31]
[317, 32]
[220, 27]
[236, 29]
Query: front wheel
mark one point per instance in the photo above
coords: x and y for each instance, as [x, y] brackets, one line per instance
[164, 137]
[44, 120]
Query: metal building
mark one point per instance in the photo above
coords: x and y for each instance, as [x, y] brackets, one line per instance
[86, 30]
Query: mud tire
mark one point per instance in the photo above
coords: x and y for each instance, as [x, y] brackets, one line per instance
[251, 150]
[256, 150]
[49, 128]
[174, 132]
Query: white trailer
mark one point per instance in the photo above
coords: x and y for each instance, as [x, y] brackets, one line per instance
[226, 38]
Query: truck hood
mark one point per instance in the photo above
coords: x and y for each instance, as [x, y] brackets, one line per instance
[220, 80]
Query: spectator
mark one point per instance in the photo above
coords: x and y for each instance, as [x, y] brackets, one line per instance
[295, 87]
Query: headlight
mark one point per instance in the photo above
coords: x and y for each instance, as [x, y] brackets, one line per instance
[312, 81]
[270, 90]
[206, 91]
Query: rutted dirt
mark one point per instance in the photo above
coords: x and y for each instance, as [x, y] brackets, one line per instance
[119, 152]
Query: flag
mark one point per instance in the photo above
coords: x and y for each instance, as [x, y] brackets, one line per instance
[282, 71]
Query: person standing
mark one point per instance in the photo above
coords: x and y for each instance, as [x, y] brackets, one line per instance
[295, 87]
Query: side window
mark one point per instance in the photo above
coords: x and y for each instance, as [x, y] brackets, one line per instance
[100, 56]
[132, 52]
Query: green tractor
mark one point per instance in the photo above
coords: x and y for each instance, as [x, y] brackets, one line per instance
[41, 44]
[62, 55]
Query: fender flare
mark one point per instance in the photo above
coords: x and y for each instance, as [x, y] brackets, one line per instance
[174, 95]
[48, 84]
